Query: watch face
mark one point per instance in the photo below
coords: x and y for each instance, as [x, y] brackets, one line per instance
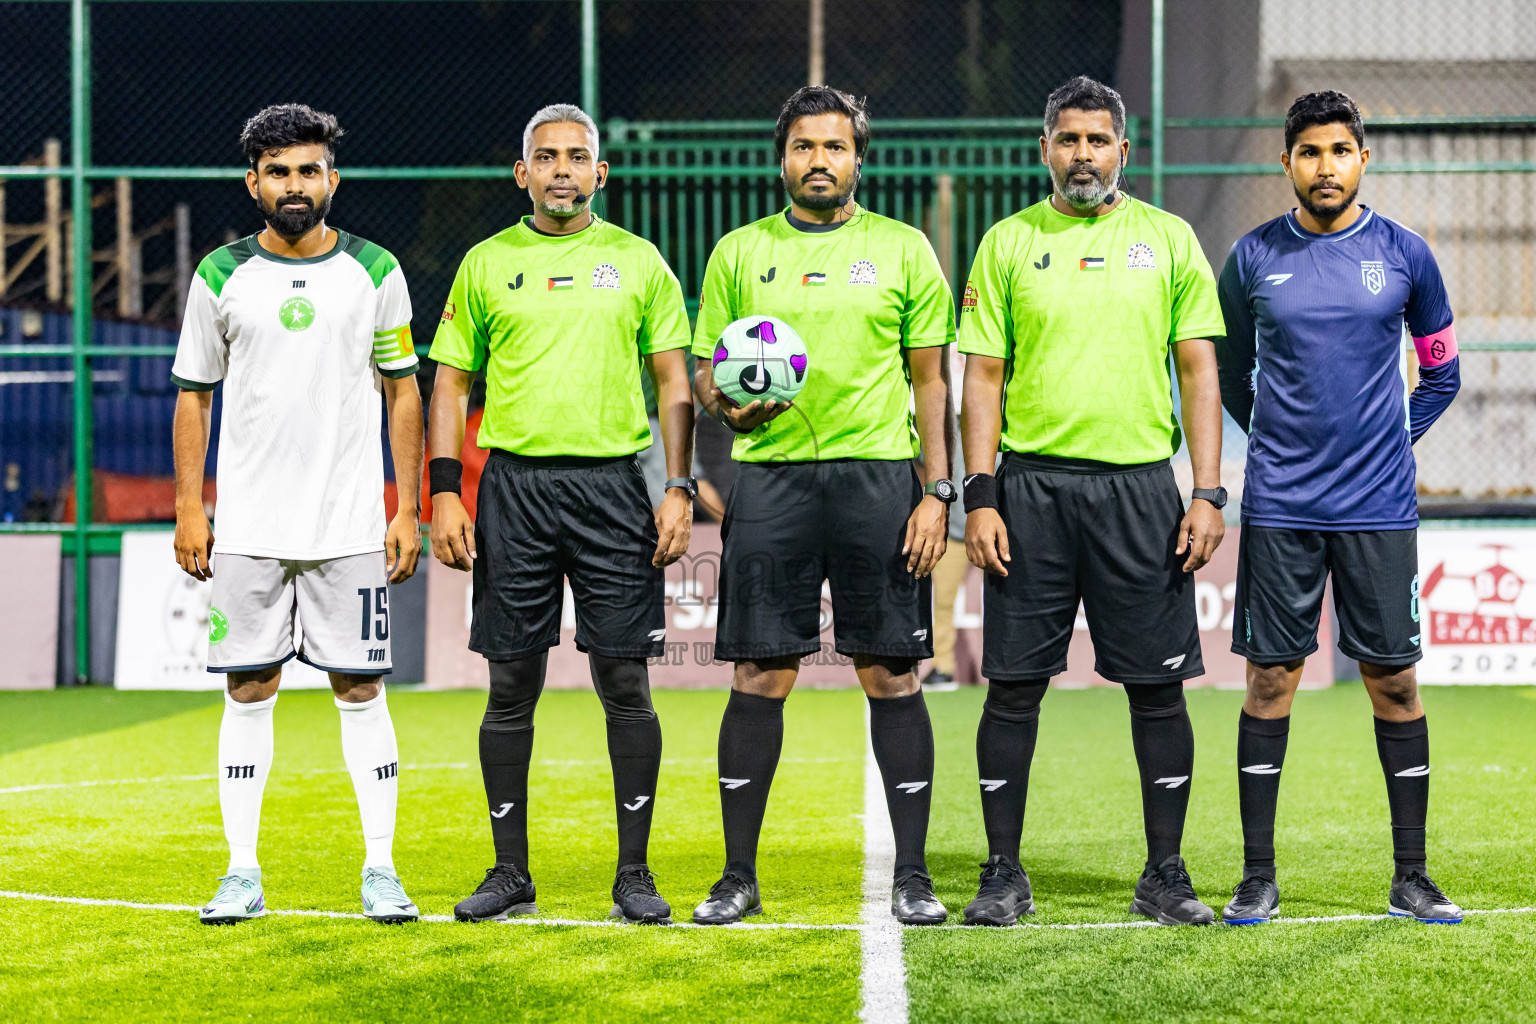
[944, 490]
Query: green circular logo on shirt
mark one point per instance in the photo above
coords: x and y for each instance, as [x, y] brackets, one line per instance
[218, 627]
[297, 313]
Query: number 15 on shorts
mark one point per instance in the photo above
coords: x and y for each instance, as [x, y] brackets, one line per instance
[375, 612]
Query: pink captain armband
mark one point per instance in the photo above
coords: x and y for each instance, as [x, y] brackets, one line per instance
[1438, 348]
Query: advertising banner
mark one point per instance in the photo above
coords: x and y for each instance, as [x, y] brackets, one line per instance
[29, 611]
[162, 623]
[1476, 603]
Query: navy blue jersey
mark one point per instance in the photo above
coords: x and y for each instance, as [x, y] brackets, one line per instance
[1313, 363]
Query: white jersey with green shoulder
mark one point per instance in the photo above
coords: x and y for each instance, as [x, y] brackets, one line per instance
[300, 345]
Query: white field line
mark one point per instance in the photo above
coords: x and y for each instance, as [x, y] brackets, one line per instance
[446, 765]
[564, 922]
[883, 975]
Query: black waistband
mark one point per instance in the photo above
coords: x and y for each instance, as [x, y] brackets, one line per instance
[1060, 464]
[558, 461]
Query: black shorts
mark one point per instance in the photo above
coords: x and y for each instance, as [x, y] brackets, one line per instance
[1279, 601]
[588, 520]
[1103, 535]
[789, 526]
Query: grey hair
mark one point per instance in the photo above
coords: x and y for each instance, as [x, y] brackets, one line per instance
[560, 113]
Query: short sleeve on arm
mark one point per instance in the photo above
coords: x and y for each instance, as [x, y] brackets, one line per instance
[986, 314]
[665, 324]
[1196, 311]
[394, 353]
[717, 300]
[461, 341]
[202, 354]
[928, 314]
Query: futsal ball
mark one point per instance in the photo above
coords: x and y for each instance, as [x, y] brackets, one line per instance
[760, 358]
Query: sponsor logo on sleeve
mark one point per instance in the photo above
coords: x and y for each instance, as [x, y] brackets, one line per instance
[448, 311]
[968, 301]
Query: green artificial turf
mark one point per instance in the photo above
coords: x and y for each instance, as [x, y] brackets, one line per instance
[161, 842]
[1083, 848]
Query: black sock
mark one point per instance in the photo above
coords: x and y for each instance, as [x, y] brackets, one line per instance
[506, 747]
[1165, 754]
[902, 736]
[1005, 747]
[1404, 751]
[504, 758]
[751, 736]
[634, 748]
[1260, 756]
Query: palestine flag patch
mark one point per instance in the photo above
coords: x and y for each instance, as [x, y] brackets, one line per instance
[1091, 263]
[557, 284]
[810, 279]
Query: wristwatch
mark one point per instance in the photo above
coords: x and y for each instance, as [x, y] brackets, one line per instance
[944, 490]
[687, 483]
[1216, 496]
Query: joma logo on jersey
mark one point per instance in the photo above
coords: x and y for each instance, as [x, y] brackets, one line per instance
[1373, 275]
[239, 771]
[375, 654]
[387, 771]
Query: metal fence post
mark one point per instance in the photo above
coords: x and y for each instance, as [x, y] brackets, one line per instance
[1157, 103]
[589, 59]
[80, 204]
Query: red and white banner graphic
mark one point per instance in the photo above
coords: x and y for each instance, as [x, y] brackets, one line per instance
[1477, 605]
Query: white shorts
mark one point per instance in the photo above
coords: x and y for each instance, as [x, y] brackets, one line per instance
[333, 614]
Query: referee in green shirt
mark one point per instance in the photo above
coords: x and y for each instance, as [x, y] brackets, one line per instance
[559, 311]
[1068, 320]
[826, 488]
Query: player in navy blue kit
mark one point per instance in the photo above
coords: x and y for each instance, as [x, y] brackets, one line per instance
[1316, 303]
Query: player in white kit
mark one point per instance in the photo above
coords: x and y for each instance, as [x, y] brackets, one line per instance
[306, 326]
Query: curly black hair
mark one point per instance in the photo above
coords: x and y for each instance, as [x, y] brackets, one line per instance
[1083, 93]
[811, 100]
[289, 124]
[1327, 107]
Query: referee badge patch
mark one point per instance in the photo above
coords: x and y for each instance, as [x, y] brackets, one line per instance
[605, 275]
[1140, 257]
[862, 272]
[968, 301]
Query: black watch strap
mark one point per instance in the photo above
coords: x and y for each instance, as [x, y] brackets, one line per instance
[944, 490]
[687, 483]
[1215, 495]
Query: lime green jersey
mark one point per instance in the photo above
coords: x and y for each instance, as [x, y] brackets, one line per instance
[859, 294]
[1084, 310]
[559, 324]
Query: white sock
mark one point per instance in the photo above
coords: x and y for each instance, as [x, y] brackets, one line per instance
[245, 761]
[368, 746]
